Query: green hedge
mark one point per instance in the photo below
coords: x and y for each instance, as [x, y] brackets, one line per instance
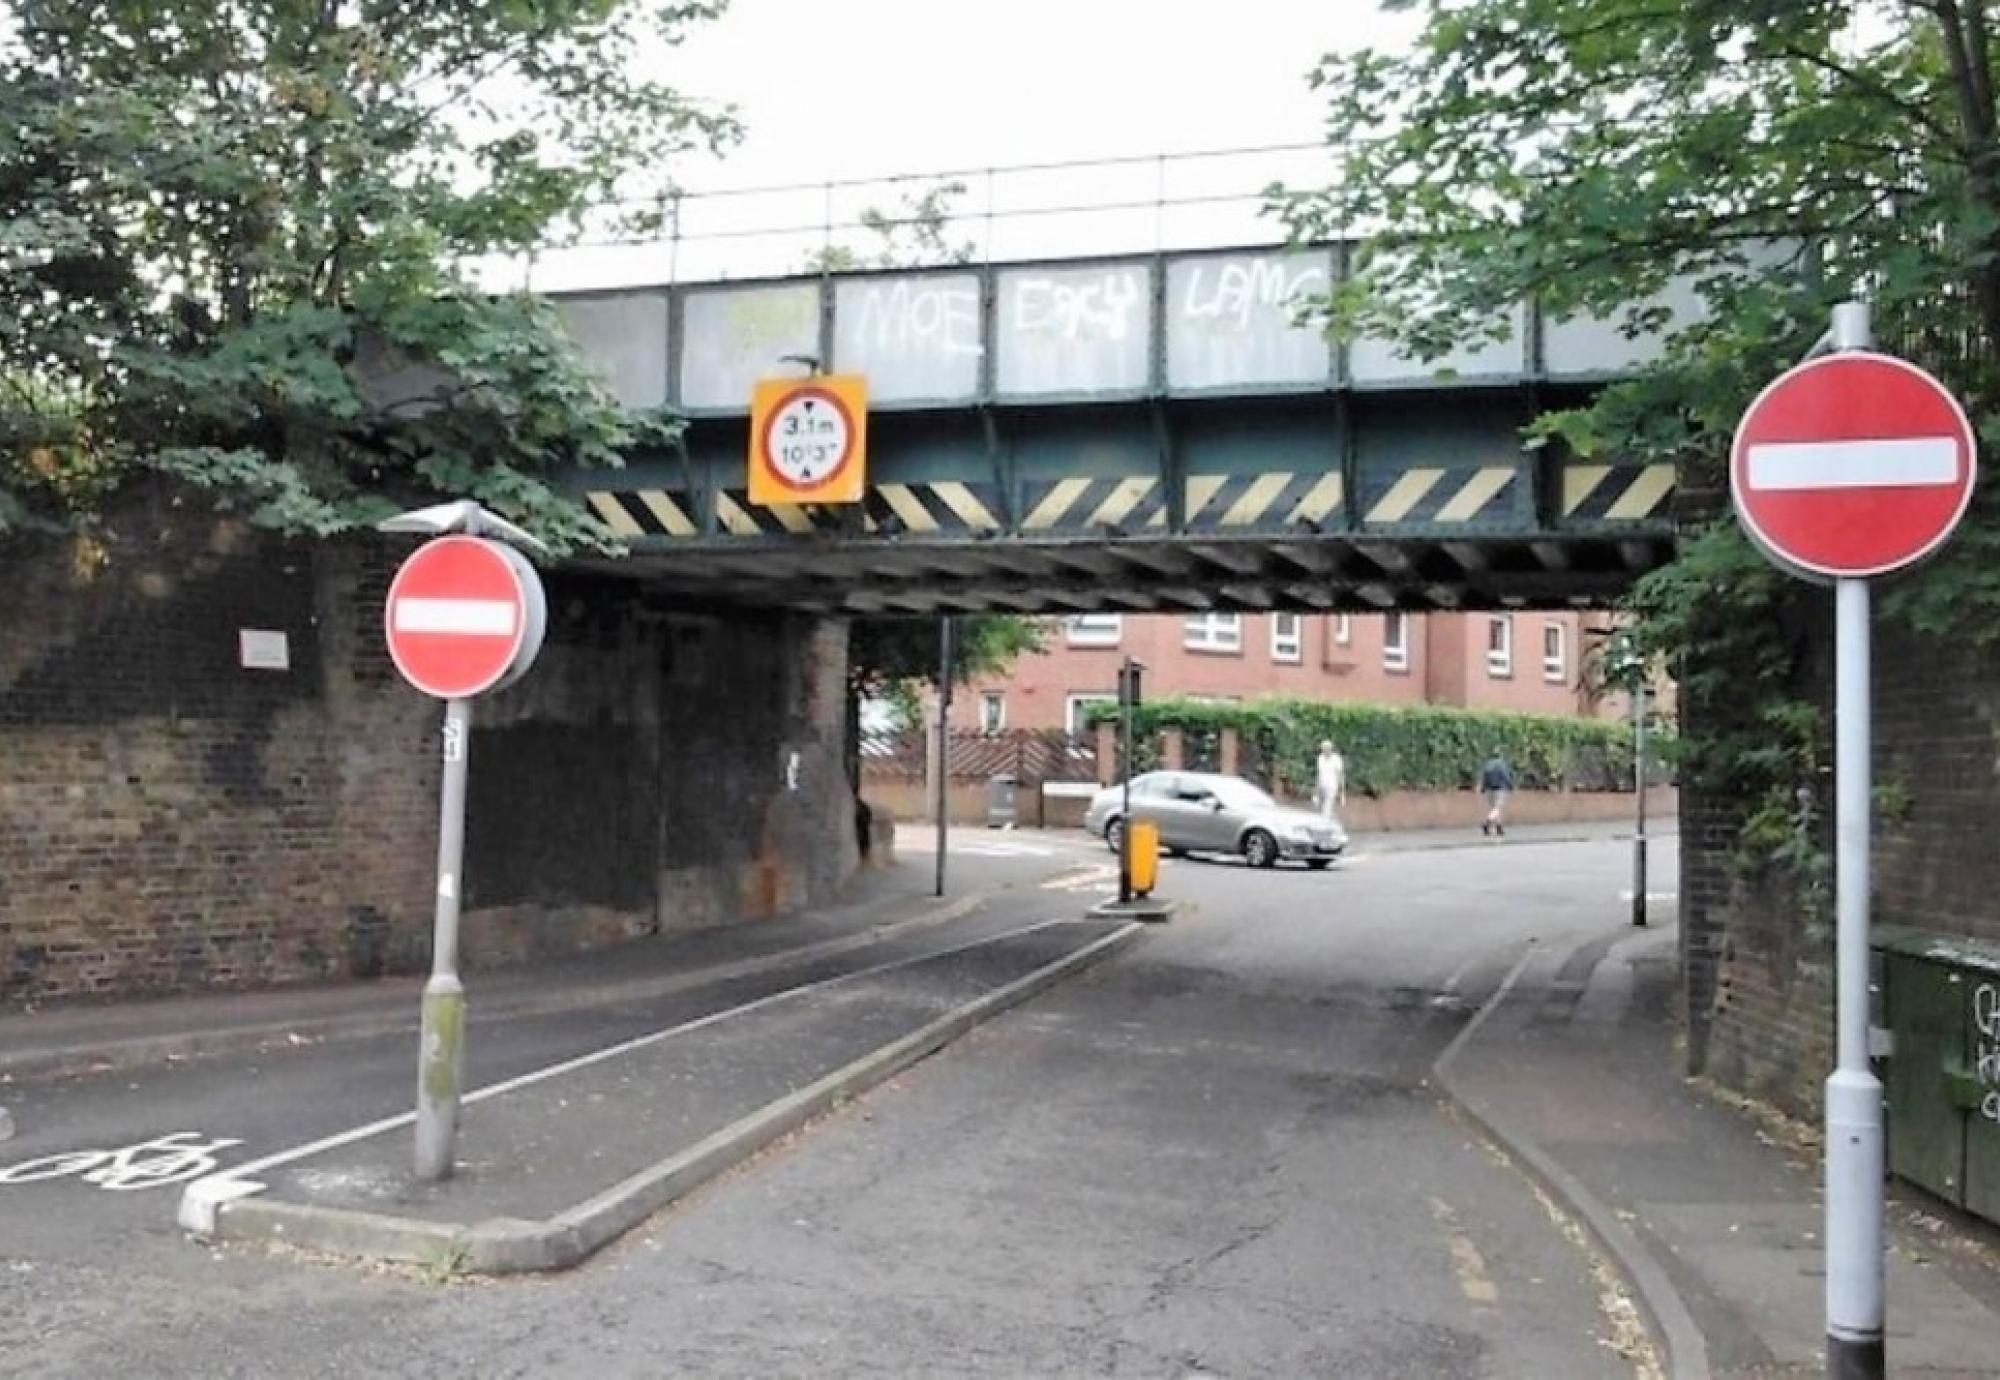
[1391, 747]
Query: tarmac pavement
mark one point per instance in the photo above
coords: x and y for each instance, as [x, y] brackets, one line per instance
[1232, 1149]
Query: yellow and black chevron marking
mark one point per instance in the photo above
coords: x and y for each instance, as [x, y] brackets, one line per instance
[1070, 505]
[645, 513]
[948, 508]
[1275, 499]
[1441, 495]
[1622, 493]
[1214, 503]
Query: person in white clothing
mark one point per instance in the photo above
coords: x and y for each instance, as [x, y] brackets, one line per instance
[1329, 780]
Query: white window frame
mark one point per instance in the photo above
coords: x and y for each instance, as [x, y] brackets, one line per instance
[996, 722]
[1500, 660]
[1074, 702]
[1213, 633]
[1094, 629]
[1396, 649]
[1288, 647]
[1555, 669]
[1343, 629]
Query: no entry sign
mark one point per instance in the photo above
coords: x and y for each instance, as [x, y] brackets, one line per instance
[1852, 465]
[465, 615]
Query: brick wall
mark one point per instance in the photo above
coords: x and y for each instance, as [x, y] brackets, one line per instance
[1758, 972]
[170, 820]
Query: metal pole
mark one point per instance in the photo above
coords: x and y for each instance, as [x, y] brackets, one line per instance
[441, 1047]
[944, 742]
[1125, 775]
[1639, 784]
[1854, 1159]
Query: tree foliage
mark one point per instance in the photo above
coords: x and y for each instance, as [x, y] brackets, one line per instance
[1778, 155]
[228, 239]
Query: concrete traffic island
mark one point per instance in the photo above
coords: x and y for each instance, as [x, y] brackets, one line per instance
[555, 1165]
[1153, 910]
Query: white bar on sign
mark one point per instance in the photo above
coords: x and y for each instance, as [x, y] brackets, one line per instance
[473, 617]
[1911, 460]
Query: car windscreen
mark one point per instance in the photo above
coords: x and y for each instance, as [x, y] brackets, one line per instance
[1240, 795]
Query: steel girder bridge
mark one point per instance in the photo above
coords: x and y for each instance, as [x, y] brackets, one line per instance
[1151, 433]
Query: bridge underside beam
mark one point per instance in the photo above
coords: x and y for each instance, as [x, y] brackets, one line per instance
[1328, 574]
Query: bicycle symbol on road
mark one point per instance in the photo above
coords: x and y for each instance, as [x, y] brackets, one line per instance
[149, 1164]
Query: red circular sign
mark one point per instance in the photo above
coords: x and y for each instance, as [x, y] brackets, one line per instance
[458, 616]
[1851, 465]
[808, 439]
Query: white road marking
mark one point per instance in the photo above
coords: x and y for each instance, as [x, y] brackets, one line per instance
[1002, 850]
[470, 617]
[200, 1200]
[1780, 466]
[1090, 879]
[169, 1159]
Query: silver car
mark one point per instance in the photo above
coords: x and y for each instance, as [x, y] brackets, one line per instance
[1201, 812]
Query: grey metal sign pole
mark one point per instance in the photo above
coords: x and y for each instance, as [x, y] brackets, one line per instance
[943, 743]
[1854, 1154]
[441, 1056]
[1639, 782]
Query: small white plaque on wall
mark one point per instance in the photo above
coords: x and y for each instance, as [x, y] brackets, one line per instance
[258, 650]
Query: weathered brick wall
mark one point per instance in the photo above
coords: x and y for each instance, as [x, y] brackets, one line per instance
[1937, 732]
[1758, 968]
[170, 820]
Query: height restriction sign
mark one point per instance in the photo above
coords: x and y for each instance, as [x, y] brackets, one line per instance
[809, 439]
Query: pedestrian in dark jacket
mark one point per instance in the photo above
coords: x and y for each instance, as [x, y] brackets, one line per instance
[1496, 781]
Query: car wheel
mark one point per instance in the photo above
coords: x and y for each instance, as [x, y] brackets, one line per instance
[1260, 849]
[1114, 835]
[1319, 864]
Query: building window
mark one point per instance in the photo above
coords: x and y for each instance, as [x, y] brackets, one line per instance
[1288, 637]
[1396, 641]
[1343, 629]
[1076, 710]
[1555, 652]
[992, 711]
[1500, 646]
[1214, 632]
[1095, 629]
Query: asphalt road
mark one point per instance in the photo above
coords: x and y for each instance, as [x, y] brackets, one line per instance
[1215, 1154]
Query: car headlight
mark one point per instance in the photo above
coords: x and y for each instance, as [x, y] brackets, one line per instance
[1300, 833]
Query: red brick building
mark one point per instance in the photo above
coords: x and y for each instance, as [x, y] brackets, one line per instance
[1528, 662]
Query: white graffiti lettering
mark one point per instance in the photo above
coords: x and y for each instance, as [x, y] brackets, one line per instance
[915, 317]
[170, 1159]
[1100, 308]
[1986, 1054]
[1233, 293]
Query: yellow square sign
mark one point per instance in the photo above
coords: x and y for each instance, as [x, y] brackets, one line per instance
[809, 440]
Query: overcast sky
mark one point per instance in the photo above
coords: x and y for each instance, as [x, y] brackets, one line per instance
[867, 88]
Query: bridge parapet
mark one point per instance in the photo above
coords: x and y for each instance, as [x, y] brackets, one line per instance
[1114, 414]
[1071, 331]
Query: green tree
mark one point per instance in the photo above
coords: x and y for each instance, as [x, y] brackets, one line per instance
[229, 239]
[1778, 154]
